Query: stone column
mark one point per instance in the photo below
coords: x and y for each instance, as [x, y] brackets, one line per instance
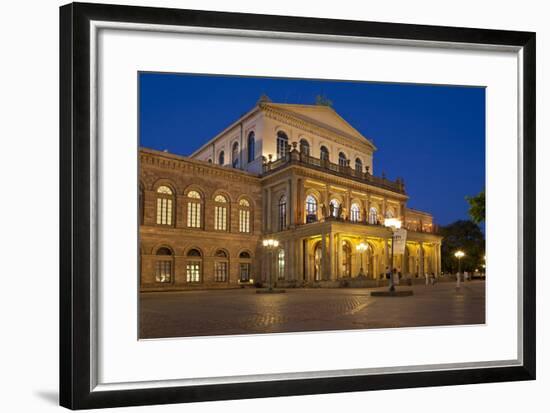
[347, 201]
[291, 271]
[299, 266]
[299, 202]
[290, 203]
[294, 213]
[340, 256]
[367, 209]
[421, 260]
[305, 257]
[324, 258]
[327, 201]
[269, 208]
[331, 260]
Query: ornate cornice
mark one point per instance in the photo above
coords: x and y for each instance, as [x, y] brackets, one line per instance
[163, 160]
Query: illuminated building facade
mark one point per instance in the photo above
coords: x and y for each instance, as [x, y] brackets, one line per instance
[299, 174]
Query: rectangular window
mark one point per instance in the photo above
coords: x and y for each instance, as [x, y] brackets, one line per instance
[194, 215]
[193, 272]
[244, 272]
[220, 271]
[220, 218]
[163, 272]
[244, 220]
[164, 211]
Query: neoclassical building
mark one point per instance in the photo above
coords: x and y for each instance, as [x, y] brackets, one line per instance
[299, 174]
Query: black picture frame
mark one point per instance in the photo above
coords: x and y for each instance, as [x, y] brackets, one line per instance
[75, 220]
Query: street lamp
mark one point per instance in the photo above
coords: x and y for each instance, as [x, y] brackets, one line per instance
[393, 224]
[270, 245]
[361, 248]
[459, 254]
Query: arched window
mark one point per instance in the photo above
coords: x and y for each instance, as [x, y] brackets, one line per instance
[282, 213]
[244, 266]
[335, 208]
[304, 147]
[282, 144]
[165, 200]
[373, 215]
[390, 213]
[324, 153]
[163, 267]
[244, 216]
[358, 166]
[209, 160]
[194, 209]
[220, 213]
[221, 267]
[251, 143]
[281, 265]
[194, 266]
[346, 259]
[235, 155]
[221, 158]
[355, 212]
[342, 160]
[311, 209]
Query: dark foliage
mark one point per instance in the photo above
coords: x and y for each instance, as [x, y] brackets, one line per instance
[467, 237]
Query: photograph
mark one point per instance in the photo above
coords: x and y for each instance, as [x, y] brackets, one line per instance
[288, 205]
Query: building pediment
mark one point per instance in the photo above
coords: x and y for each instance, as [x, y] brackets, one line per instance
[323, 117]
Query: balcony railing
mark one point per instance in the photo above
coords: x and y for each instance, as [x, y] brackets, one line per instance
[298, 158]
[313, 218]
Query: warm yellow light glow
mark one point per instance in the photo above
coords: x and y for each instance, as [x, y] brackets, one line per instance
[270, 243]
[459, 254]
[392, 222]
[362, 247]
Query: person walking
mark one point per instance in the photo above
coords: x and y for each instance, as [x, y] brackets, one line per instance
[390, 278]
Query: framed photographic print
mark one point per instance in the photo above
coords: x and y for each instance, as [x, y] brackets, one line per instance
[256, 206]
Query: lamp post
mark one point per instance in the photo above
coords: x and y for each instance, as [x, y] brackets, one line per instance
[459, 254]
[393, 224]
[361, 248]
[270, 245]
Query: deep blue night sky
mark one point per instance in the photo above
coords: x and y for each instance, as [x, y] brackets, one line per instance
[433, 136]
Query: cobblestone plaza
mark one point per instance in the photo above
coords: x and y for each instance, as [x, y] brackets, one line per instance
[242, 311]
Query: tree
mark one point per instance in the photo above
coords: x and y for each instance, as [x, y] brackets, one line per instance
[465, 236]
[477, 207]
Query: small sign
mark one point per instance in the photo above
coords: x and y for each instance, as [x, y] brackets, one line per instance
[399, 240]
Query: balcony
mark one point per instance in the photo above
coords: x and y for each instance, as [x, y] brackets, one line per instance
[293, 157]
[313, 218]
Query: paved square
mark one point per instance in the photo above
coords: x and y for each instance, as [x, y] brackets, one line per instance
[242, 311]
